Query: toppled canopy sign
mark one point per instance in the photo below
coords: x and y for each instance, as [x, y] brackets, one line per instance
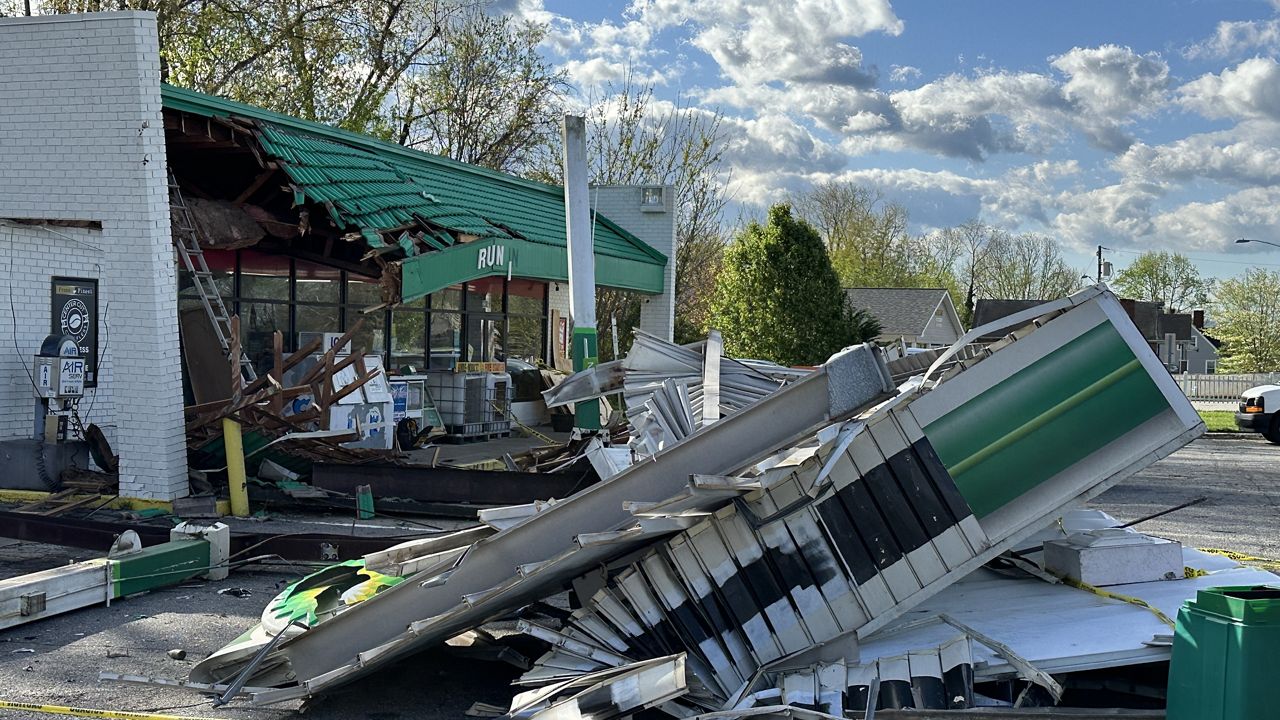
[543, 551]
[773, 540]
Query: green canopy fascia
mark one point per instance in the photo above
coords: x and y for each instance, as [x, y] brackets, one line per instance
[430, 272]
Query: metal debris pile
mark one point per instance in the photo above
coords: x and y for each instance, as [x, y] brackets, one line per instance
[760, 555]
[671, 391]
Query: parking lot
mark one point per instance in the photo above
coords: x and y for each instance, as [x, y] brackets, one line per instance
[57, 661]
[1240, 476]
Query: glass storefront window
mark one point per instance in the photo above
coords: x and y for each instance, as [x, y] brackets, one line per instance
[372, 335]
[264, 277]
[524, 337]
[484, 342]
[526, 297]
[485, 295]
[486, 320]
[316, 318]
[363, 292]
[408, 335]
[316, 283]
[258, 322]
[449, 298]
[446, 339]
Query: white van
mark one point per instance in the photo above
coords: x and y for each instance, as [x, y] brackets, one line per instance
[1260, 411]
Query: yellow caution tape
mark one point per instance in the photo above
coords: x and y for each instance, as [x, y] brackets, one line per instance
[92, 713]
[1242, 557]
[1190, 572]
[1237, 556]
[512, 417]
[1123, 598]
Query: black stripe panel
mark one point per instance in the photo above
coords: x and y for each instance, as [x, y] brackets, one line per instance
[895, 508]
[942, 480]
[867, 522]
[920, 493]
[845, 540]
[959, 686]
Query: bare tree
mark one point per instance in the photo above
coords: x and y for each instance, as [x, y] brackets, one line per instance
[488, 98]
[635, 139]
[970, 245]
[869, 241]
[1025, 267]
[335, 61]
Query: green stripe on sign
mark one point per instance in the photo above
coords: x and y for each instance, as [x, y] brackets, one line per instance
[1045, 418]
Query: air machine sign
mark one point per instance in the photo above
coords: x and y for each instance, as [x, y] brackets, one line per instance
[74, 313]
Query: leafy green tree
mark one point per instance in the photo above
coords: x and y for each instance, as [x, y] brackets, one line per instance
[1247, 309]
[868, 240]
[1165, 277]
[778, 298]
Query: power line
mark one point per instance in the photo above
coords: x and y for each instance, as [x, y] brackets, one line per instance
[1204, 259]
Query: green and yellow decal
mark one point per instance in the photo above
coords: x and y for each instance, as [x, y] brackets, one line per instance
[1045, 418]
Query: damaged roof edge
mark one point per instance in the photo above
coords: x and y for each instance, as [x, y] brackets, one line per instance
[190, 101]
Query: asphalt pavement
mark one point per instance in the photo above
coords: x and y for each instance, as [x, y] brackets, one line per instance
[57, 660]
[1238, 474]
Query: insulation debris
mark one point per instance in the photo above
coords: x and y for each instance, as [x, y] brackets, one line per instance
[747, 557]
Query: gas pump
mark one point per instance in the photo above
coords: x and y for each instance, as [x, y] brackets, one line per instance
[58, 374]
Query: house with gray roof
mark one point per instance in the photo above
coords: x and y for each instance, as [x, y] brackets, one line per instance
[919, 317]
[1176, 338]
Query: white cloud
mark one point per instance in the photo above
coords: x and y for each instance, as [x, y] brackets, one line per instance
[1113, 81]
[776, 142]
[973, 117]
[1214, 226]
[1234, 38]
[595, 72]
[761, 41]
[1238, 156]
[1127, 215]
[1117, 214]
[990, 112]
[903, 73]
[1249, 90]
[1017, 198]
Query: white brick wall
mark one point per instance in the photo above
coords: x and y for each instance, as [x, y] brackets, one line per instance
[81, 137]
[621, 204]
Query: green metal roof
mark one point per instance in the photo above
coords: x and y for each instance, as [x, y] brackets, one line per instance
[375, 187]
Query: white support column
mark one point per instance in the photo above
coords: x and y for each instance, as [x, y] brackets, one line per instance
[579, 226]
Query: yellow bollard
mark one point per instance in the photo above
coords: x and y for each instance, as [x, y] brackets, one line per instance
[239, 488]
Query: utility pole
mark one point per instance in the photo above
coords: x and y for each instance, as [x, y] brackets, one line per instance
[1099, 276]
[582, 261]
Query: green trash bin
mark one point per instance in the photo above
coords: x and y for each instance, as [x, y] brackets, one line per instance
[1226, 656]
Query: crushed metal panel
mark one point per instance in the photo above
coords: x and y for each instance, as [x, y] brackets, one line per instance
[886, 507]
[324, 655]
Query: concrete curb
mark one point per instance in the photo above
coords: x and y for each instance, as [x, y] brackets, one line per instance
[1232, 435]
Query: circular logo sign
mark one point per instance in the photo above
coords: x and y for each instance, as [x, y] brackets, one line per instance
[75, 319]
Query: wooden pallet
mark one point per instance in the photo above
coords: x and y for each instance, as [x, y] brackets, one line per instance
[58, 503]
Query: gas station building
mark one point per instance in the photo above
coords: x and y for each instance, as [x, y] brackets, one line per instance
[307, 229]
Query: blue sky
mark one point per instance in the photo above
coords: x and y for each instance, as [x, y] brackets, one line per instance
[1136, 124]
